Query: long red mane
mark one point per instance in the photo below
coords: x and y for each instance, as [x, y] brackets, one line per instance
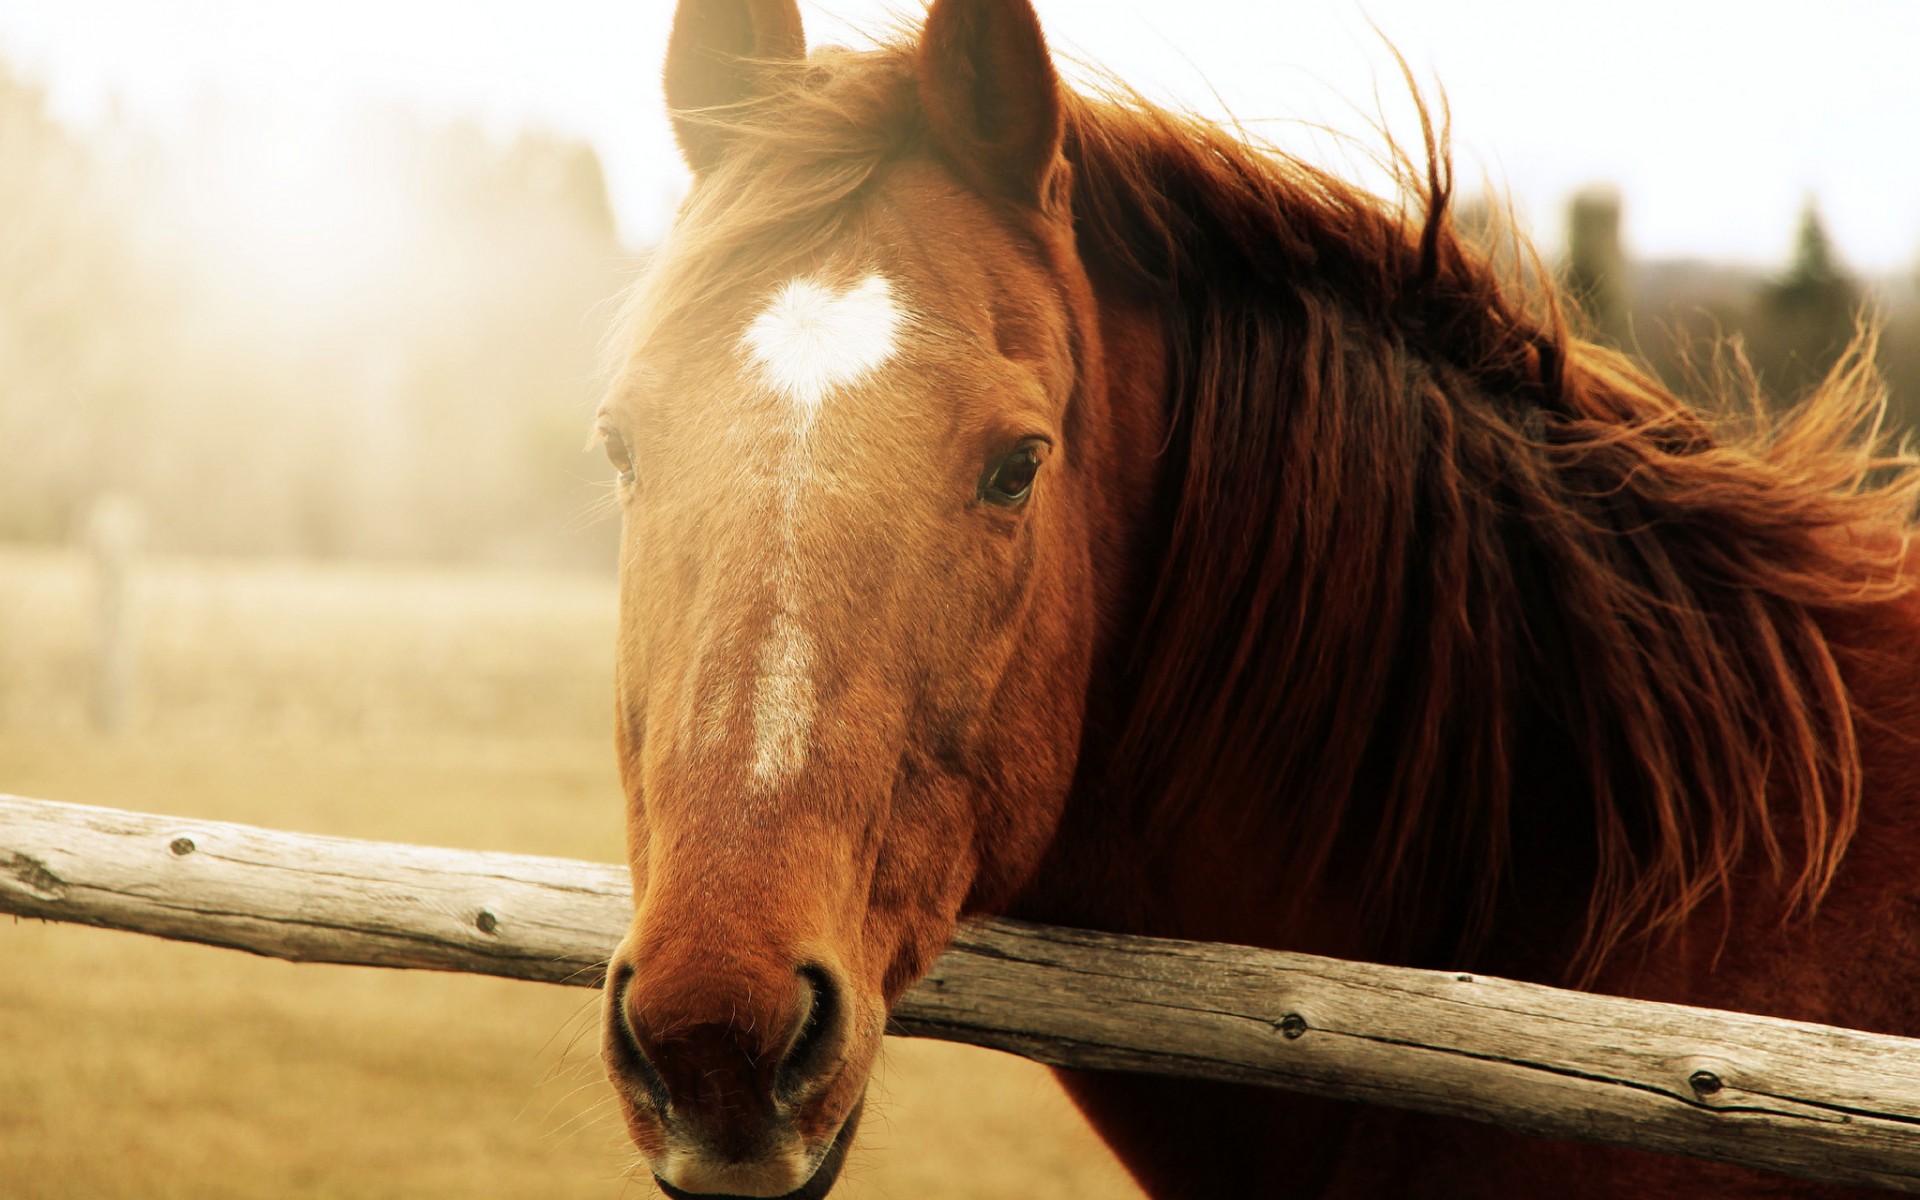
[1448, 590]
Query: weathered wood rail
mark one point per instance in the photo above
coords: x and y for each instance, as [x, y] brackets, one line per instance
[1810, 1100]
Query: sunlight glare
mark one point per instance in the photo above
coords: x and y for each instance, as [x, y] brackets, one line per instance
[299, 209]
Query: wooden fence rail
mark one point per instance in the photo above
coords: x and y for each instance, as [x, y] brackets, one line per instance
[1809, 1100]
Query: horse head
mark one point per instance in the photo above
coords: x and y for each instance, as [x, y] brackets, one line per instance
[868, 514]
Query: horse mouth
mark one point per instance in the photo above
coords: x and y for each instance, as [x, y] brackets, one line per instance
[815, 1188]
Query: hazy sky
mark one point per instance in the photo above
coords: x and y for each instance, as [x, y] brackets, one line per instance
[1716, 118]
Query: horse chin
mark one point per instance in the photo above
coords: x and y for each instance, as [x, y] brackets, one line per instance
[815, 1188]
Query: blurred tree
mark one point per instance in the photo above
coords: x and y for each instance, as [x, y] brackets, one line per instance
[1596, 270]
[57, 283]
[1900, 354]
[1489, 224]
[1805, 316]
[383, 343]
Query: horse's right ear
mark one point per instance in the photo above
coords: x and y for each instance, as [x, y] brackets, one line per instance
[991, 97]
[717, 56]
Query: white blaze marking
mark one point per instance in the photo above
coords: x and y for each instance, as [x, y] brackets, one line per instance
[808, 343]
[812, 340]
[783, 700]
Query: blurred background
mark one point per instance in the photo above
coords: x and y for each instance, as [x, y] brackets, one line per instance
[300, 309]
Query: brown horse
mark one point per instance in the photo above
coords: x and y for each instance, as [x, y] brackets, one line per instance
[1050, 505]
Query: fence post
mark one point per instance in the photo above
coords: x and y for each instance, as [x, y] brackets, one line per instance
[113, 540]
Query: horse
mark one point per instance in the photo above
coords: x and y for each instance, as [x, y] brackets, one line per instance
[1038, 502]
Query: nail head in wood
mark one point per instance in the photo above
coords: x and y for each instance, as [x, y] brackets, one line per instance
[182, 845]
[1293, 1025]
[486, 922]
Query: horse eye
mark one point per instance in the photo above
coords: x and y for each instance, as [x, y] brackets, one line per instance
[618, 452]
[1008, 479]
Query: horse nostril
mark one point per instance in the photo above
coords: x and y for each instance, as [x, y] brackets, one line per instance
[811, 1052]
[624, 1046]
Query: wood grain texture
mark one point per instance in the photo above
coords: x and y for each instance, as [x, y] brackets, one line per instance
[1808, 1100]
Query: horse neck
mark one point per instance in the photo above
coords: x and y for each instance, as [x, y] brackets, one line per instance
[1109, 866]
[1113, 865]
[1118, 425]
[1431, 556]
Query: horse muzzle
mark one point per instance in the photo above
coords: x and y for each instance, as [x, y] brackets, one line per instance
[694, 1175]
[735, 1078]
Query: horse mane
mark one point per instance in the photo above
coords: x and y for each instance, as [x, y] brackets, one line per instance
[1440, 578]
[1438, 581]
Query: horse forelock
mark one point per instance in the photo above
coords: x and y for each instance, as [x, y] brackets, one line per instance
[801, 159]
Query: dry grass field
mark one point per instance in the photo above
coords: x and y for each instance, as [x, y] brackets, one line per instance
[448, 708]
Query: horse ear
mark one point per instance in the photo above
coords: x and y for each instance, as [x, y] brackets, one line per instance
[716, 56]
[991, 97]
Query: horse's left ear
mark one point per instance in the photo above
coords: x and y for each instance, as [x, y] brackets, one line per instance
[716, 56]
[991, 97]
